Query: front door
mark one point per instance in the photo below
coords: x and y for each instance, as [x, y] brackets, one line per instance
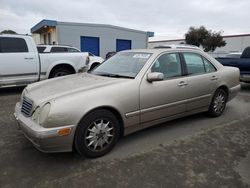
[18, 63]
[162, 99]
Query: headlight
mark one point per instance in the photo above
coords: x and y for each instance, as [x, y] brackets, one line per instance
[41, 113]
[44, 112]
[36, 114]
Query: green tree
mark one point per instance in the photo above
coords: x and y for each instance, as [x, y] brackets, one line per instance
[208, 39]
[213, 41]
[8, 32]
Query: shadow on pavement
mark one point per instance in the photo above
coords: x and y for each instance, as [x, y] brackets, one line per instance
[11, 91]
[245, 87]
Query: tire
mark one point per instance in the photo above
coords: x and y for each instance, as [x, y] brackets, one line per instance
[59, 72]
[97, 134]
[94, 65]
[218, 103]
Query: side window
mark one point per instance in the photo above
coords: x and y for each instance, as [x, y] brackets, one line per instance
[11, 45]
[40, 49]
[194, 63]
[72, 50]
[58, 49]
[208, 66]
[169, 65]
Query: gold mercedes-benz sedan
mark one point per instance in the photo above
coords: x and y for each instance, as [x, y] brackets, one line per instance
[132, 90]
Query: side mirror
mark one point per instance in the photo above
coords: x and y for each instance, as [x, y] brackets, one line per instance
[155, 76]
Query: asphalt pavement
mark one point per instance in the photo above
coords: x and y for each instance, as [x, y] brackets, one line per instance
[196, 151]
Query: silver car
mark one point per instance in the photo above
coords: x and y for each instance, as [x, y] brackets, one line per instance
[132, 90]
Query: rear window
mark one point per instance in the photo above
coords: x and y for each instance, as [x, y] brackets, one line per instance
[11, 45]
[40, 49]
[59, 49]
[73, 50]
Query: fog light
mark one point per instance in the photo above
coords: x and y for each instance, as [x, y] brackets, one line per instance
[64, 132]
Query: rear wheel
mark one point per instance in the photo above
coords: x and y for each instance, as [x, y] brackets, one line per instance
[94, 65]
[97, 134]
[218, 103]
[60, 72]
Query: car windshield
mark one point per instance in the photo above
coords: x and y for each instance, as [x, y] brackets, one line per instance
[123, 65]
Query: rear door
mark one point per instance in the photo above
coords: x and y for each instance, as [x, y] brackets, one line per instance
[202, 79]
[18, 61]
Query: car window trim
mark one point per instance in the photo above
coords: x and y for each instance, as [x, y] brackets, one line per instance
[163, 53]
[182, 54]
[203, 58]
[26, 48]
[58, 47]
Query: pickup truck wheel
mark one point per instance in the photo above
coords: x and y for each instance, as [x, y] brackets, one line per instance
[94, 65]
[97, 134]
[59, 72]
[218, 103]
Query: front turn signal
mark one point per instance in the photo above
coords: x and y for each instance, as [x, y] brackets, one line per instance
[64, 131]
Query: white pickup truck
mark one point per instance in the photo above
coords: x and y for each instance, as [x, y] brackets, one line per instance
[93, 59]
[21, 64]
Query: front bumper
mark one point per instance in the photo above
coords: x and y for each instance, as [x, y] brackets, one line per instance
[44, 139]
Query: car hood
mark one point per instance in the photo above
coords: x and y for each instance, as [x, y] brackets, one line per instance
[50, 89]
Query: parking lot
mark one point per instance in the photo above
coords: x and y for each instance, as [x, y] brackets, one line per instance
[196, 151]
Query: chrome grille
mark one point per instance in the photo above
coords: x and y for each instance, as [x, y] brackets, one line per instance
[27, 106]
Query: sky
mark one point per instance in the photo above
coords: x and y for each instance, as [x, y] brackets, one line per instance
[167, 19]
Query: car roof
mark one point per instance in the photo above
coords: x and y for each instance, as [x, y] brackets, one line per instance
[15, 35]
[178, 46]
[160, 50]
[51, 45]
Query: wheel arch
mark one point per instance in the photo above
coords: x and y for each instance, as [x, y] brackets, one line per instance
[112, 110]
[60, 65]
[93, 65]
[225, 88]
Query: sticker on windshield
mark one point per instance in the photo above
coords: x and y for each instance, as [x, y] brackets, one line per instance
[141, 56]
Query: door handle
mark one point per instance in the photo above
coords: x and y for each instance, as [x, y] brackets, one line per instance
[29, 58]
[182, 83]
[213, 78]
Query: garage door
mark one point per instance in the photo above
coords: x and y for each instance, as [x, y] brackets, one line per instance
[90, 44]
[123, 44]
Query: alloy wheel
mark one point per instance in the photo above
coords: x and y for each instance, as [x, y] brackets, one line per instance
[219, 102]
[99, 135]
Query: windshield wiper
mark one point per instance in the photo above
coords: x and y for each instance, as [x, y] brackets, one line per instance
[116, 75]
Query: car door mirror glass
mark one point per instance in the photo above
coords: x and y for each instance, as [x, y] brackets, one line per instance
[155, 76]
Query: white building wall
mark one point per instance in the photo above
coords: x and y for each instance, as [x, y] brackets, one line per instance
[166, 42]
[233, 44]
[70, 34]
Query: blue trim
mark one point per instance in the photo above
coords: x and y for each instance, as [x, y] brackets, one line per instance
[50, 23]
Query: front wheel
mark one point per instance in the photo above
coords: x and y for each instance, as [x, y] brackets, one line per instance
[218, 103]
[97, 134]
